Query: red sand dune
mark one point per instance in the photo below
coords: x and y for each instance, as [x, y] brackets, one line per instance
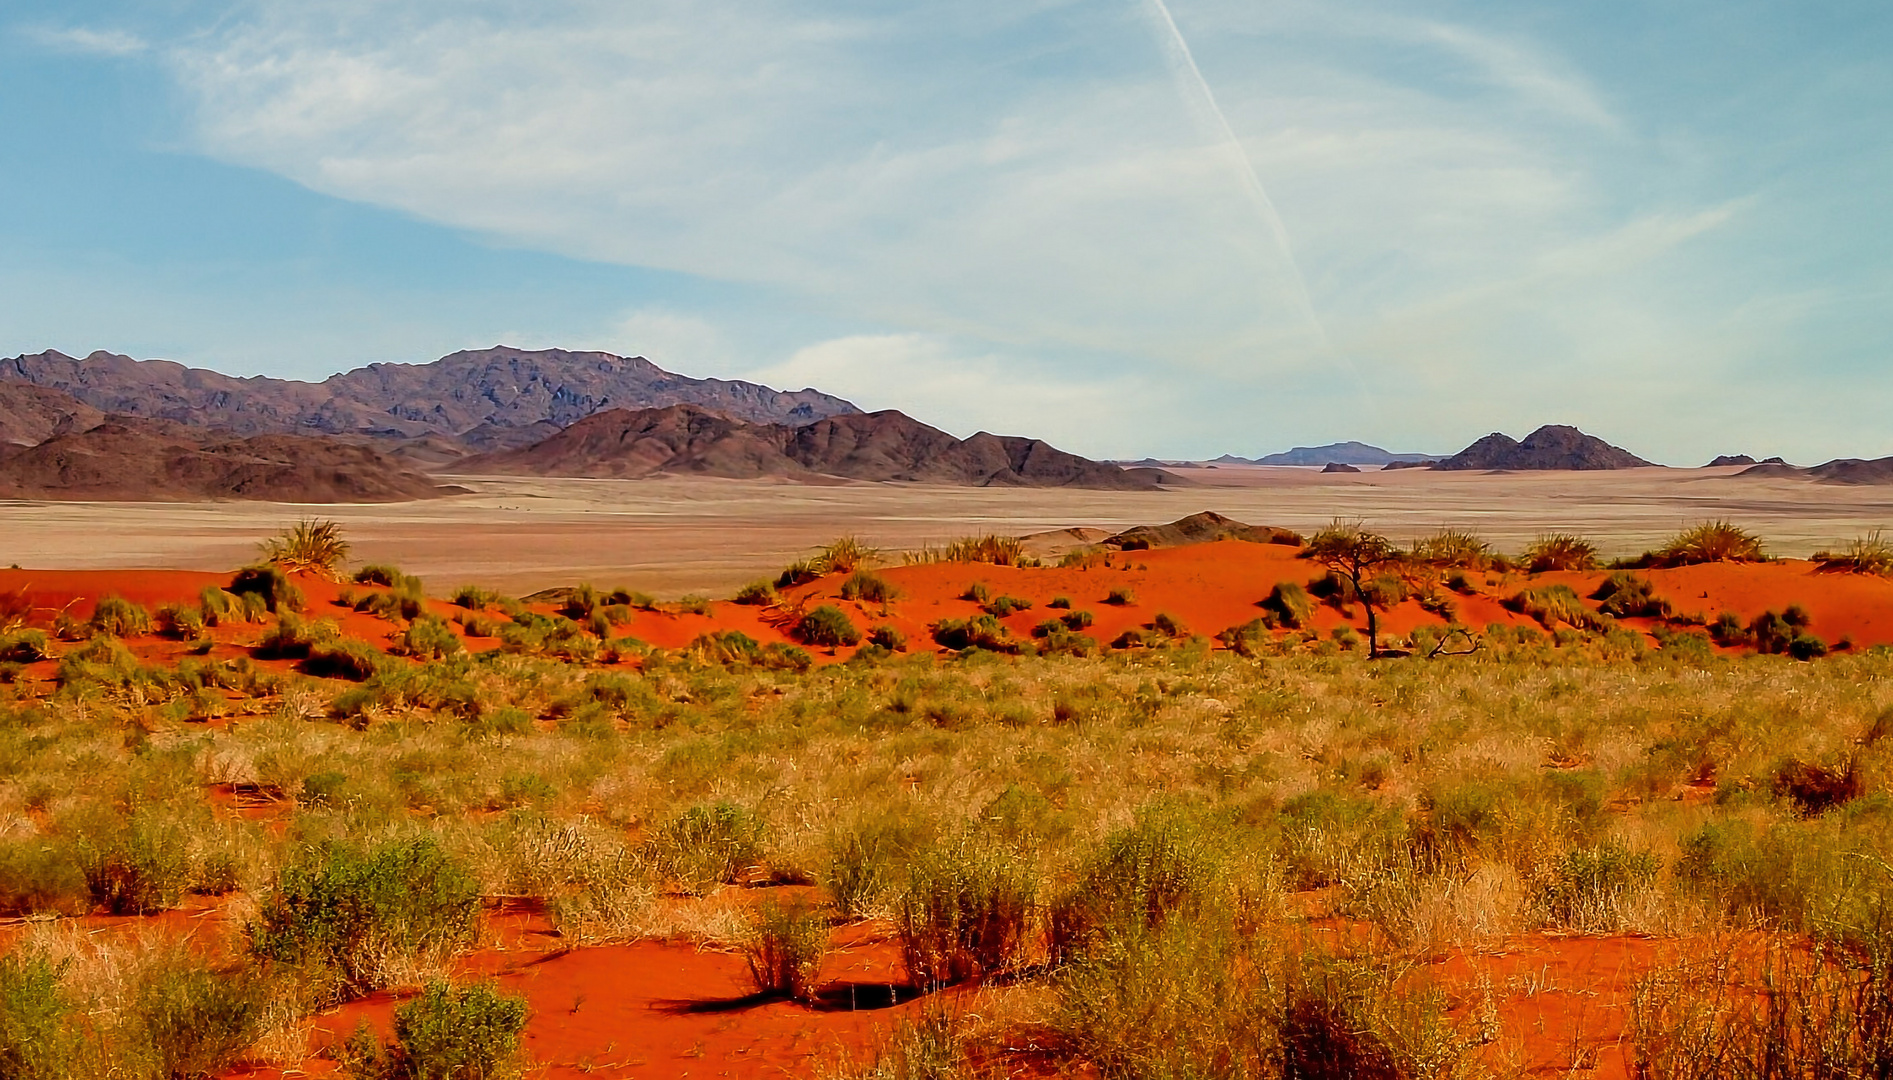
[1206, 587]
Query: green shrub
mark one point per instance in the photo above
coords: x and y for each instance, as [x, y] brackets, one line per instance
[379, 574]
[1159, 868]
[119, 617]
[41, 876]
[800, 572]
[978, 632]
[1550, 604]
[1869, 554]
[270, 585]
[474, 598]
[39, 1039]
[1002, 606]
[399, 605]
[352, 915]
[708, 845]
[826, 627]
[447, 1033]
[179, 621]
[427, 638]
[25, 646]
[1076, 620]
[343, 658]
[1288, 605]
[1061, 602]
[1344, 1018]
[1625, 595]
[1169, 625]
[292, 638]
[888, 637]
[1121, 597]
[862, 858]
[976, 593]
[195, 1021]
[1587, 887]
[997, 550]
[218, 606]
[757, 594]
[868, 587]
[140, 868]
[783, 946]
[966, 912]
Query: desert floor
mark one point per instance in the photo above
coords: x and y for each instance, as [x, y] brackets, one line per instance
[675, 536]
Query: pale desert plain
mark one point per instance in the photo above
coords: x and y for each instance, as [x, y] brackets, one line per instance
[675, 535]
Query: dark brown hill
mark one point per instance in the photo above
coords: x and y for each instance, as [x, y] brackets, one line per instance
[32, 414]
[881, 446]
[1200, 528]
[131, 459]
[1854, 471]
[1552, 447]
[498, 397]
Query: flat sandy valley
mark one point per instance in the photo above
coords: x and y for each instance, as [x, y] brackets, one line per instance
[674, 536]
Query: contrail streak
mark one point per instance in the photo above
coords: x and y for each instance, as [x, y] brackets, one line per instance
[1183, 62]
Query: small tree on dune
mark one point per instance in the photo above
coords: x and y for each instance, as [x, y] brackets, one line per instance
[1356, 555]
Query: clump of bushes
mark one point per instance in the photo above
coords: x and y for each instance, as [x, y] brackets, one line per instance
[272, 588]
[966, 912]
[1454, 548]
[1559, 551]
[1625, 596]
[1786, 632]
[978, 632]
[709, 845]
[447, 1033]
[427, 638]
[783, 946]
[1558, 603]
[474, 598]
[24, 646]
[1120, 597]
[292, 637]
[1287, 605]
[119, 617]
[1709, 542]
[1869, 554]
[757, 594]
[888, 637]
[343, 658]
[354, 917]
[1002, 606]
[380, 574]
[196, 1021]
[826, 627]
[868, 587]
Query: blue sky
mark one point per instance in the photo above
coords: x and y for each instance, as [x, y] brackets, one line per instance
[1131, 228]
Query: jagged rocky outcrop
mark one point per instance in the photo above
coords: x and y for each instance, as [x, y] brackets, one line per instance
[488, 398]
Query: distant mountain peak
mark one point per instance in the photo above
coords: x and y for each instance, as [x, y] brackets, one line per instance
[1551, 447]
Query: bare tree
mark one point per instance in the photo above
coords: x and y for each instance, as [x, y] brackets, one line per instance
[1358, 556]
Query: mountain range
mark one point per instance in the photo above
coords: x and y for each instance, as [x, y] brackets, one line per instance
[1337, 453]
[110, 427]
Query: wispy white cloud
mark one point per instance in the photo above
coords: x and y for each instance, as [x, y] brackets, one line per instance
[1023, 191]
[80, 39]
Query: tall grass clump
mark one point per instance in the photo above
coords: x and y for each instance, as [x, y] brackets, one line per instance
[783, 946]
[1869, 554]
[308, 546]
[447, 1033]
[1348, 1018]
[708, 845]
[1287, 605]
[967, 912]
[1626, 596]
[826, 626]
[1709, 542]
[1551, 604]
[1559, 551]
[195, 1021]
[1453, 548]
[39, 1036]
[1161, 867]
[868, 587]
[757, 594]
[864, 857]
[119, 617]
[996, 550]
[359, 918]
[845, 555]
